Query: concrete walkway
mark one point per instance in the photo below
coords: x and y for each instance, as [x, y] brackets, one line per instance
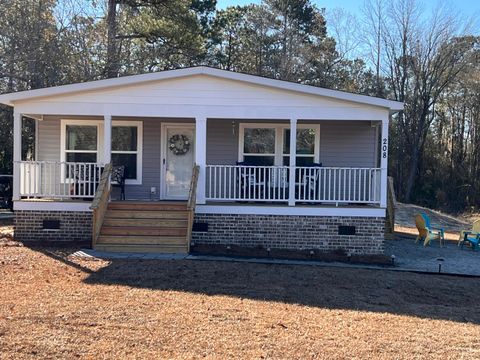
[409, 257]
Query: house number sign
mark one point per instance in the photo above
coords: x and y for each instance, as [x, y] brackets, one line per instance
[384, 148]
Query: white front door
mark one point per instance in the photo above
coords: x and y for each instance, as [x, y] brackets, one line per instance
[178, 158]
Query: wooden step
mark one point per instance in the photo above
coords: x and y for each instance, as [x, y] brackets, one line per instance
[148, 214]
[142, 240]
[170, 249]
[136, 205]
[143, 231]
[164, 223]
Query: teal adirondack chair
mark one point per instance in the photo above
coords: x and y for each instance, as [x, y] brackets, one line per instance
[471, 236]
[473, 239]
[430, 231]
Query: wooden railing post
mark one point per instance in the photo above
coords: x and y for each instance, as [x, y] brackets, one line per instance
[100, 203]
[192, 195]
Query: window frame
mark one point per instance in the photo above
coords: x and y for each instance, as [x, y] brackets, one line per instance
[63, 138]
[138, 152]
[100, 137]
[279, 140]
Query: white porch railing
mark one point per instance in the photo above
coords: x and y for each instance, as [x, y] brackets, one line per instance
[53, 179]
[247, 183]
[338, 185]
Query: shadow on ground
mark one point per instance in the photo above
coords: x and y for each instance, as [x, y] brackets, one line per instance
[426, 296]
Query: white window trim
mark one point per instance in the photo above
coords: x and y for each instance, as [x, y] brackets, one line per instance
[139, 152]
[279, 128]
[63, 138]
[100, 137]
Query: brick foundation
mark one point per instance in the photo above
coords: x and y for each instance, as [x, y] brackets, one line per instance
[292, 232]
[75, 226]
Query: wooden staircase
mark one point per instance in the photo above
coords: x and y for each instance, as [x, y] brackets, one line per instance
[142, 226]
[134, 226]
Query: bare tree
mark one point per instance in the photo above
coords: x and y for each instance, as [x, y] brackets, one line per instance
[419, 56]
[374, 13]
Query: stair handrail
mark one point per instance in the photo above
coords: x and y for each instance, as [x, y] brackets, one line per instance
[192, 193]
[100, 202]
[192, 199]
[391, 204]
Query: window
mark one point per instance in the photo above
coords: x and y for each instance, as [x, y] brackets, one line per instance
[259, 146]
[269, 144]
[306, 140]
[125, 148]
[82, 141]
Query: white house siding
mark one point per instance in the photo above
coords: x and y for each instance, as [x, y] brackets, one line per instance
[202, 90]
[208, 95]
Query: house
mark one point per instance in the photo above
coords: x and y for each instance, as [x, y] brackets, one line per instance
[280, 164]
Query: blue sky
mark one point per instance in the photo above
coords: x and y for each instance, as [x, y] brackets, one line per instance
[467, 7]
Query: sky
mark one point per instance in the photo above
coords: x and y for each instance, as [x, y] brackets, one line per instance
[467, 7]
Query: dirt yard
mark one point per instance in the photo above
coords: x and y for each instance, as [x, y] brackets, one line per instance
[53, 305]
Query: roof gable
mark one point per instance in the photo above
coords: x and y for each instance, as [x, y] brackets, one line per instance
[213, 82]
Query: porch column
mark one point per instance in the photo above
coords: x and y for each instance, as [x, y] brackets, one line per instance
[293, 162]
[107, 139]
[384, 162]
[201, 156]
[17, 153]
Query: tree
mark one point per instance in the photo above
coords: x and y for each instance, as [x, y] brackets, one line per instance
[156, 34]
[420, 59]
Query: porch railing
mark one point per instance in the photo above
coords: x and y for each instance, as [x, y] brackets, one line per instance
[53, 179]
[100, 202]
[338, 185]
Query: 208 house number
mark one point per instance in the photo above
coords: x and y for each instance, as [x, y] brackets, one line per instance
[384, 148]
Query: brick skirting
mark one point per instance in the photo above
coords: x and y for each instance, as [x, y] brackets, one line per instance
[74, 226]
[292, 232]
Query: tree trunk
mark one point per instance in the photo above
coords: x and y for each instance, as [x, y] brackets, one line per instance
[412, 173]
[112, 65]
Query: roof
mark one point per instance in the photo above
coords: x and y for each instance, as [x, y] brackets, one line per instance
[11, 98]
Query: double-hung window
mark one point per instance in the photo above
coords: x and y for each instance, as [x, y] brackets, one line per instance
[269, 144]
[82, 141]
[126, 149]
[259, 145]
[307, 145]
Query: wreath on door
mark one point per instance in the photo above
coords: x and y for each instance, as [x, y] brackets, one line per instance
[179, 144]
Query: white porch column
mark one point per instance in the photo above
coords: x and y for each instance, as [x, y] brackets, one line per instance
[384, 162]
[107, 139]
[293, 162]
[17, 153]
[201, 156]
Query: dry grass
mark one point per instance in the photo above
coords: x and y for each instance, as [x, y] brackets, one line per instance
[56, 306]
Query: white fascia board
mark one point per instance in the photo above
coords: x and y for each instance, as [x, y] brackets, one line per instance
[290, 211]
[52, 206]
[10, 99]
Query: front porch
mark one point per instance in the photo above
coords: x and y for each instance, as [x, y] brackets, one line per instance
[334, 163]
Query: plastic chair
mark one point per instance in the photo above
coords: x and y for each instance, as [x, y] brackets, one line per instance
[426, 232]
[471, 236]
